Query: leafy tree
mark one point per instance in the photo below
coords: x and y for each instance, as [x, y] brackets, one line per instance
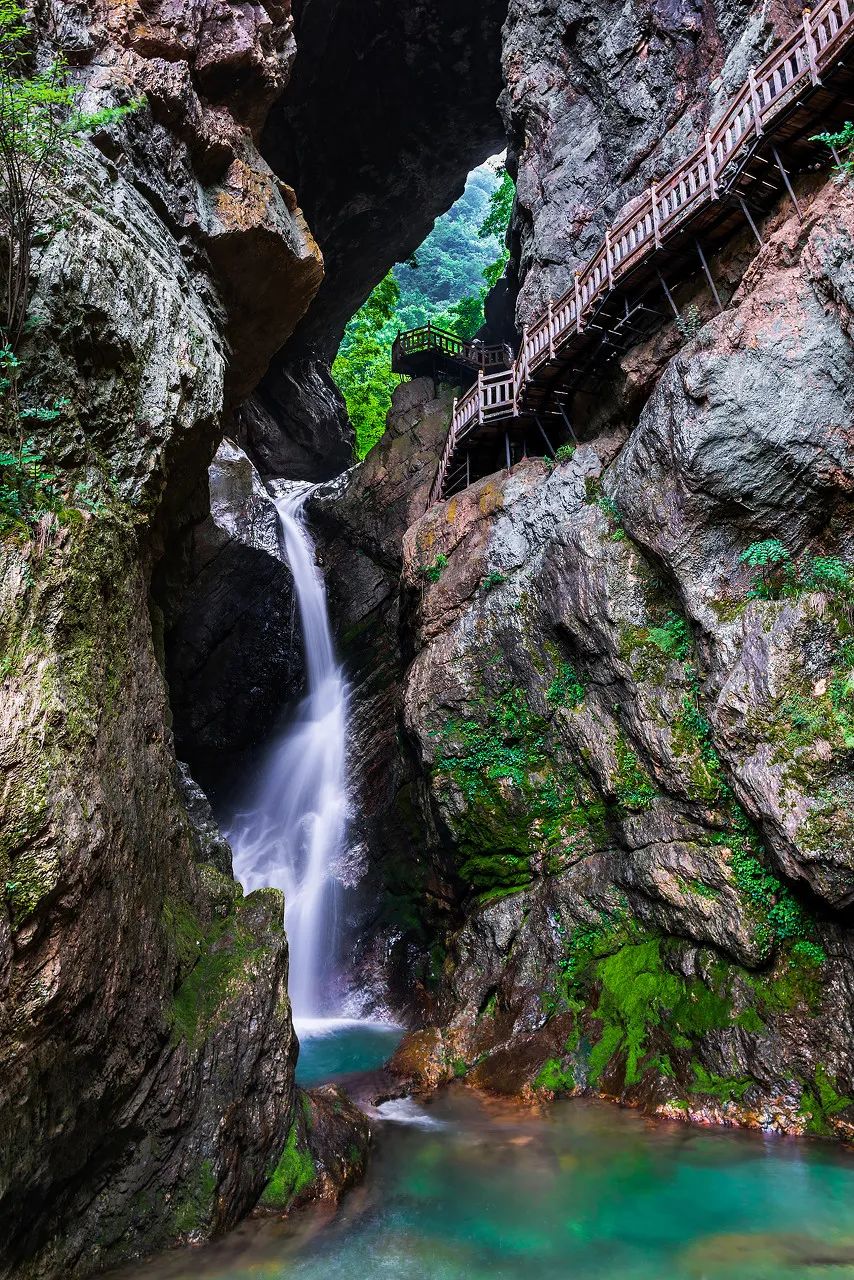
[362, 367]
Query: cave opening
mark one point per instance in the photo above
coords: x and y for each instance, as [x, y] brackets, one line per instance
[447, 282]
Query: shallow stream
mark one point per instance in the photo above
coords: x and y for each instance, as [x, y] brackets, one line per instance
[460, 1188]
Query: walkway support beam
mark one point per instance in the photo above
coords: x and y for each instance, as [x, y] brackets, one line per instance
[712, 284]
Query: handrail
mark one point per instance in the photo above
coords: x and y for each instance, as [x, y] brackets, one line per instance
[657, 213]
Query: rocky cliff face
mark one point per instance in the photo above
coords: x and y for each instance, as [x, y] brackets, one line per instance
[147, 1056]
[630, 752]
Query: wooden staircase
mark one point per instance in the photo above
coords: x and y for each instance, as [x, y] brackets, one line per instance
[737, 172]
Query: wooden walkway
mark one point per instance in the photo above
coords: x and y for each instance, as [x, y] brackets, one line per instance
[739, 170]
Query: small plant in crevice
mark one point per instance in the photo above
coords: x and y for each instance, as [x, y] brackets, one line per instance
[565, 453]
[841, 145]
[779, 576]
[673, 637]
[492, 579]
[633, 787]
[689, 323]
[433, 572]
[566, 689]
[773, 564]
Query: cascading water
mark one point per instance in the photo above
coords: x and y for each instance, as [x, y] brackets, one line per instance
[290, 831]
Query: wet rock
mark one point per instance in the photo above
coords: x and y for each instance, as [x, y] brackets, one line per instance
[233, 648]
[326, 1152]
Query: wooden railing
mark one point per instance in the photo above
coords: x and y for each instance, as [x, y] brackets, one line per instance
[471, 353]
[661, 210]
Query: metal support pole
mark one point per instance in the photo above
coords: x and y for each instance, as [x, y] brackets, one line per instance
[836, 156]
[568, 424]
[669, 296]
[468, 467]
[549, 444]
[507, 449]
[788, 184]
[749, 218]
[712, 285]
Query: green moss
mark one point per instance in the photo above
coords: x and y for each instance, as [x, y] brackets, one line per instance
[821, 1102]
[517, 805]
[195, 1204]
[459, 1068]
[699, 888]
[639, 994]
[632, 784]
[556, 1076]
[778, 917]
[294, 1172]
[212, 961]
[724, 1088]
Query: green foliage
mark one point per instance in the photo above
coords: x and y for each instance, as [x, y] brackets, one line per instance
[673, 637]
[778, 917]
[638, 994]
[566, 689]
[516, 805]
[492, 579]
[38, 126]
[28, 487]
[633, 786]
[774, 564]
[555, 1076]
[827, 573]
[442, 283]
[294, 1172]
[433, 572]
[724, 1088]
[821, 1101]
[459, 1068]
[565, 453]
[842, 143]
[362, 368]
[690, 322]
[780, 576]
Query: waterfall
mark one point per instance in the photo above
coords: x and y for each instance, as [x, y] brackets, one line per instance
[291, 828]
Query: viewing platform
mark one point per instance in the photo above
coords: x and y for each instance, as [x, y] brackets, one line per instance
[743, 164]
[430, 352]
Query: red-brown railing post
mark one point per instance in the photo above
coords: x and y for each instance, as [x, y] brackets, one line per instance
[577, 304]
[480, 396]
[710, 167]
[810, 45]
[757, 105]
[609, 258]
[653, 195]
[551, 331]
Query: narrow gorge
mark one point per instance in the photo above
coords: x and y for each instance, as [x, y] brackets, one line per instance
[453, 823]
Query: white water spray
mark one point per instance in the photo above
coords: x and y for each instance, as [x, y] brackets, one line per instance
[292, 828]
